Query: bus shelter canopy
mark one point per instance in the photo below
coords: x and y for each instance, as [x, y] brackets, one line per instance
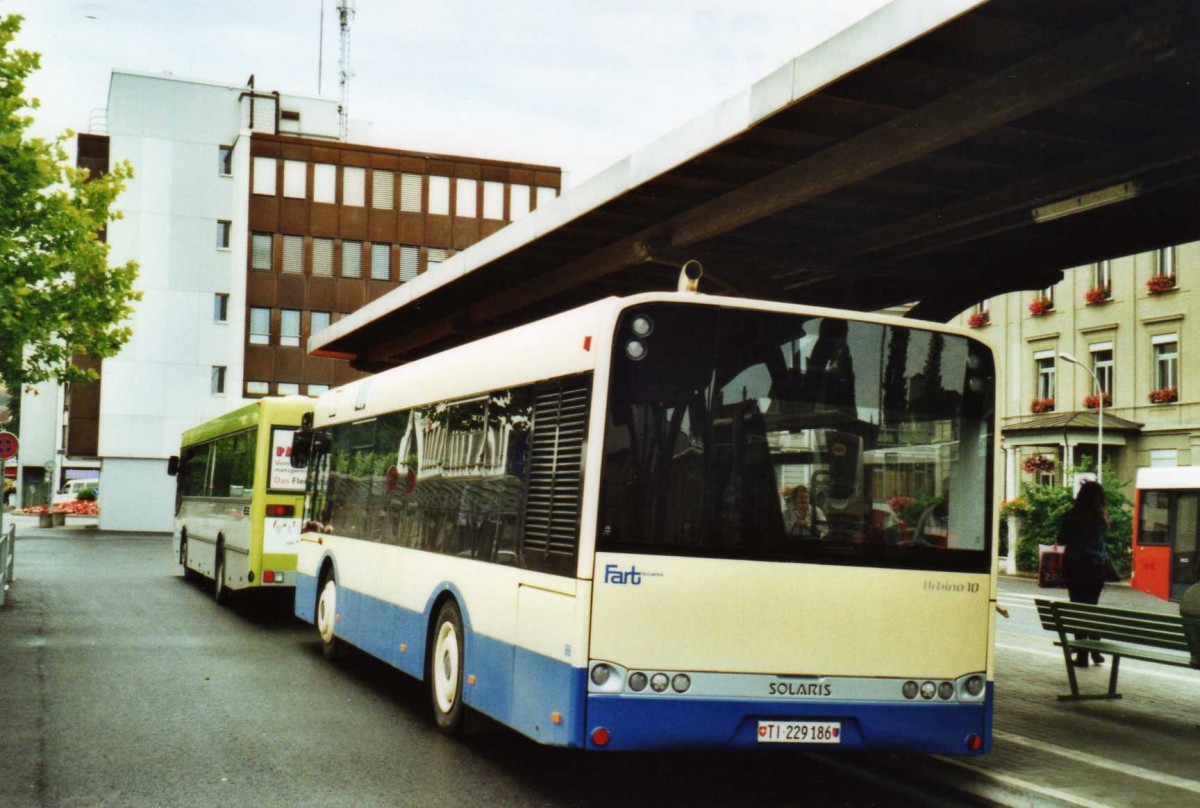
[935, 153]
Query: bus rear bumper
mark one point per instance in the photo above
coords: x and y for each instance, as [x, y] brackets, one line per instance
[650, 722]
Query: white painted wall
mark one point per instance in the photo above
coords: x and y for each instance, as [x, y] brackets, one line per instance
[136, 495]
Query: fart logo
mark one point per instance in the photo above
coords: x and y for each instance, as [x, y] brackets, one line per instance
[615, 575]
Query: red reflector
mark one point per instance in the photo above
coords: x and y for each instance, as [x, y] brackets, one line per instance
[280, 510]
[587, 343]
[974, 743]
[600, 736]
[268, 577]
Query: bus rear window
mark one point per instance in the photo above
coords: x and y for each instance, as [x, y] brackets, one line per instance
[765, 436]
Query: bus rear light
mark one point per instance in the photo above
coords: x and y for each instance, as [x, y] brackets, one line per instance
[681, 682]
[974, 686]
[911, 689]
[280, 510]
[928, 690]
[268, 577]
[637, 682]
[658, 682]
[945, 691]
[974, 743]
[600, 674]
[600, 736]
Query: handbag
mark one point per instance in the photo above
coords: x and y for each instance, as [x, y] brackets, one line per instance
[1111, 576]
[1050, 566]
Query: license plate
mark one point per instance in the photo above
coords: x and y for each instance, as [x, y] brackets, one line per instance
[799, 732]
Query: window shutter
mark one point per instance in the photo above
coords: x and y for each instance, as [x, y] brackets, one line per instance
[410, 258]
[410, 193]
[351, 259]
[382, 191]
[293, 254]
[323, 257]
[354, 184]
[381, 262]
[325, 183]
[261, 246]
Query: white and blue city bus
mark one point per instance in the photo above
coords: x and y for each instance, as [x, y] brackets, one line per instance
[579, 527]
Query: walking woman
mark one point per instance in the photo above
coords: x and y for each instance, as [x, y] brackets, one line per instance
[1085, 555]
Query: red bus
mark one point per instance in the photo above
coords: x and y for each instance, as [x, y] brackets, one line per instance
[1166, 529]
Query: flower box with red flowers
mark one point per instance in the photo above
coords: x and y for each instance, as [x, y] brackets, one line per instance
[1041, 405]
[1160, 283]
[1098, 295]
[979, 319]
[1163, 395]
[1038, 464]
[1092, 402]
[1041, 306]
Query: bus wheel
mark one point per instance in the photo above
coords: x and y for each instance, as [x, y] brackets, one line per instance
[189, 574]
[331, 646]
[446, 669]
[220, 590]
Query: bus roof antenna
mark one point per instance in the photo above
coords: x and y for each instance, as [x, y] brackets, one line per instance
[689, 276]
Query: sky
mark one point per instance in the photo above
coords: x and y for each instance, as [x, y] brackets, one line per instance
[557, 82]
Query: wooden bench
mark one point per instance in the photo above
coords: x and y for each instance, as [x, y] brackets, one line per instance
[1116, 632]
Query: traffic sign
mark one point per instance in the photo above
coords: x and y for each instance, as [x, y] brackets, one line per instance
[8, 445]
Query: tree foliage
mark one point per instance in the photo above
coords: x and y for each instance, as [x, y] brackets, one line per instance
[58, 296]
[1046, 505]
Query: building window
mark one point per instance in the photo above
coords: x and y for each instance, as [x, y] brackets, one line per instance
[264, 176]
[354, 186]
[439, 195]
[382, 190]
[410, 193]
[295, 179]
[1102, 275]
[322, 258]
[545, 195]
[257, 388]
[324, 183]
[1047, 294]
[287, 388]
[1164, 264]
[220, 307]
[464, 200]
[262, 245]
[434, 256]
[225, 161]
[293, 255]
[381, 262]
[1164, 458]
[410, 261]
[318, 321]
[224, 229]
[317, 389]
[218, 380]
[289, 328]
[260, 326]
[351, 259]
[518, 203]
[1045, 366]
[493, 201]
[1166, 362]
[1102, 366]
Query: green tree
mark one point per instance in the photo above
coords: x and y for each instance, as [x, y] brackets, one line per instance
[59, 298]
[1046, 505]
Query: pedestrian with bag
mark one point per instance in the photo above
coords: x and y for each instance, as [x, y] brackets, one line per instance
[1085, 564]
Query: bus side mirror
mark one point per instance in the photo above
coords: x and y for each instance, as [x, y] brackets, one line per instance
[301, 448]
[173, 465]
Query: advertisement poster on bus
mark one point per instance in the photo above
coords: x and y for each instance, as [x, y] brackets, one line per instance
[283, 476]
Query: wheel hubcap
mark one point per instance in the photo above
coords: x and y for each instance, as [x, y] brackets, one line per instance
[325, 611]
[446, 684]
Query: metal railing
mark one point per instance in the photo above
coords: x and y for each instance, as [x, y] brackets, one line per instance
[8, 542]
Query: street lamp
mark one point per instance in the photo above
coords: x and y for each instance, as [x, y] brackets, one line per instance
[1066, 357]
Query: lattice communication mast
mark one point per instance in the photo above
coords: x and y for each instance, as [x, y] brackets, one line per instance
[345, 17]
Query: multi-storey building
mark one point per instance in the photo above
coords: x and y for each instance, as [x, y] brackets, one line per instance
[1130, 323]
[253, 227]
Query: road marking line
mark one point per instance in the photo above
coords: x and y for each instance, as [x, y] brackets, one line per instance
[1125, 666]
[1022, 785]
[1100, 762]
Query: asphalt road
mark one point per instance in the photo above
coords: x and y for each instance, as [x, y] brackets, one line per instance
[122, 685]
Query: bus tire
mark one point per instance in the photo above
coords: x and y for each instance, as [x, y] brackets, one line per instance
[189, 574]
[326, 620]
[220, 590]
[446, 663]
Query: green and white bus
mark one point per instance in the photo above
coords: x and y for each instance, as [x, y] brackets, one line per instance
[238, 500]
